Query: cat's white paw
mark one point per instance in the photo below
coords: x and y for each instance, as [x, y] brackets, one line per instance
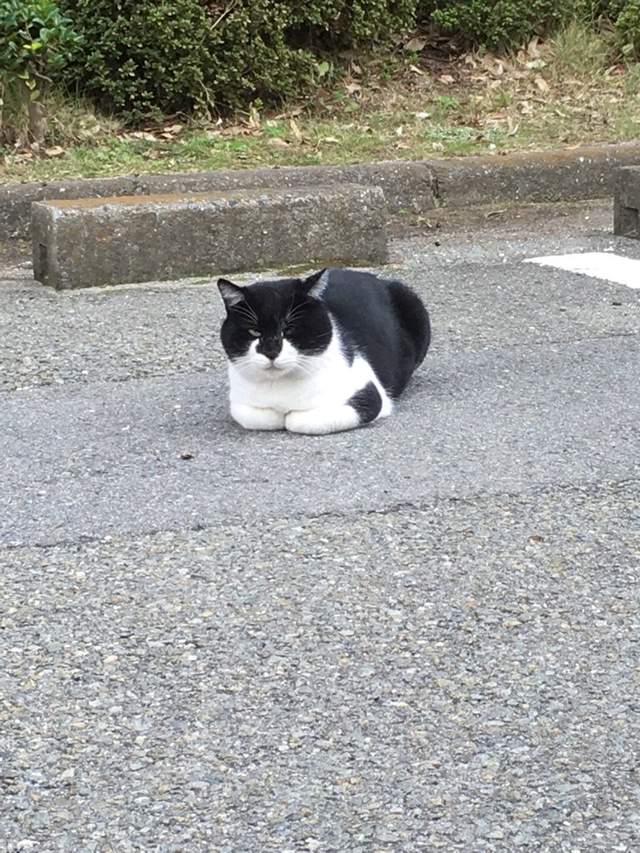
[322, 421]
[251, 417]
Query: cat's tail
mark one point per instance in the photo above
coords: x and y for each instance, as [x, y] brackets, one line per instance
[413, 317]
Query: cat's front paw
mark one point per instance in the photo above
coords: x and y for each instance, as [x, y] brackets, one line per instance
[322, 421]
[251, 417]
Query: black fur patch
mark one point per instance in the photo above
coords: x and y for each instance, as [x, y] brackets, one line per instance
[367, 402]
[271, 311]
[384, 321]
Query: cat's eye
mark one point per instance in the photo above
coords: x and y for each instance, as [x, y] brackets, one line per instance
[254, 333]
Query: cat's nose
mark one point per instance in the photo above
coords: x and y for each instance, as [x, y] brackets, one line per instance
[271, 348]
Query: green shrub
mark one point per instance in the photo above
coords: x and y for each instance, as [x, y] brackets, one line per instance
[141, 56]
[144, 58]
[166, 56]
[256, 54]
[625, 17]
[36, 41]
[507, 24]
[628, 29]
[352, 22]
[500, 24]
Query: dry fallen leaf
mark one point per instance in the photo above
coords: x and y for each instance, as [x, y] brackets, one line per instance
[295, 130]
[512, 125]
[254, 118]
[56, 151]
[142, 134]
[542, 84]
[331, 140]
[447, 78]
[415, 45]
[173, 129]
[235, 130]
[416, 70]
[532, 48]
[353, 88]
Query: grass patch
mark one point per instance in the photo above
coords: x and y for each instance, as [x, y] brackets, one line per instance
[578, 52]
[563, 92]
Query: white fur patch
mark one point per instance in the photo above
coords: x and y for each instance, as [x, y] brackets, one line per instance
[309, 392]
[318, 288]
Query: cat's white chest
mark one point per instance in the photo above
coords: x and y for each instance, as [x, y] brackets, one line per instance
[318, 382]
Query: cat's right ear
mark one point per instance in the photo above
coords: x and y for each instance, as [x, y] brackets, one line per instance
[230, 292]
[316, 283]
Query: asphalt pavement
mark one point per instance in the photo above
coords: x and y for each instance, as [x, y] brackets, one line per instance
[423, 635]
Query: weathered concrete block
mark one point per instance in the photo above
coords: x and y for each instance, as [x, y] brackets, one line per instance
[93, 242]
[626, 211]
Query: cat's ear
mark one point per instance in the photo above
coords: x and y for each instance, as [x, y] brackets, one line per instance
[316, 283]
[230, 292]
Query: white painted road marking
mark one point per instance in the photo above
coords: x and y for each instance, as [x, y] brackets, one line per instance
[606, 265]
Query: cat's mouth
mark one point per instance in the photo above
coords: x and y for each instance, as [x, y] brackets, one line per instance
[274, 367]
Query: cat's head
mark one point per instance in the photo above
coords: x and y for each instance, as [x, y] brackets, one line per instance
[275, 328]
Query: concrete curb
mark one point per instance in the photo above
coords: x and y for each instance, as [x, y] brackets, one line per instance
[413, 186]
[626, 210]
[405, 184]
[533, 177]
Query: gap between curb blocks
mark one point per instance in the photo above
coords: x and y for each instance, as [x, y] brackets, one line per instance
[409, 186]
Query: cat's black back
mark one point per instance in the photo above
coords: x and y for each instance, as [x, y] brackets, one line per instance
[383, 320]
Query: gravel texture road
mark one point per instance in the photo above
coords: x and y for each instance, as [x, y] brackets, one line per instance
[420, 636]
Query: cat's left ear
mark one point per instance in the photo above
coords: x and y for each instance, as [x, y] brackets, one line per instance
[230, 292]
[316, 283]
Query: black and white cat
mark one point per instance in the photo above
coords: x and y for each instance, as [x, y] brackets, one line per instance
[322, 354]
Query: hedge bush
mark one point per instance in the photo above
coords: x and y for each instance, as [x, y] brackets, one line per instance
[140, 56]
[507, 24]
[628, 28]
[173, 55]
[501, 24]
[166, 56]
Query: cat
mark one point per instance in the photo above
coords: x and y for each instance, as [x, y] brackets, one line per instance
[322, 354]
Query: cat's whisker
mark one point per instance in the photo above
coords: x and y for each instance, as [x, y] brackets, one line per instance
[293, 312]
[249, 315]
